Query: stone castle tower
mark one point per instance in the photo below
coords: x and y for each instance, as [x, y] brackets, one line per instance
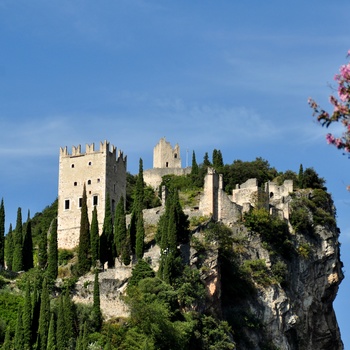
[166, 161]
[103, 172]
[164, 156]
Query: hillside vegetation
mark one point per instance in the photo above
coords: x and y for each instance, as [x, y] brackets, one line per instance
[173, 306]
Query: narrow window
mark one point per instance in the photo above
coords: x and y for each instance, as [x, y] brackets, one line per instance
[75, 183]
[66, 204]
[90, 163]
[98, 180]
[89, 182]
[80, 202]
[72, 166]
[175, 155]
[95, 200]
[166, 164]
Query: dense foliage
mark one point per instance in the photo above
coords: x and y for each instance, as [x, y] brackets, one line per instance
[168, 308]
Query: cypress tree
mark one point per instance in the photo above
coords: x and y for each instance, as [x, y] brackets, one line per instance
[42, 249]
[61, 336]
[96, 309]
[120, 232]
[172, 230]
[94, 238]
[140, 236]
[301, 176]
[218, 162]
[27, 318]
[206, 161]
[7, 342]
[84, 248]
[51, 341]
[35, 313]
[2, 234]
[28, 246]
[44, 317]
[194, 169]
[68, 308]
[132, 229]
[107, 249]
[126, 250]
[85, 339]
[139, 195]
[17, 262]
[52, 262]
[18, 341]
[9, 248]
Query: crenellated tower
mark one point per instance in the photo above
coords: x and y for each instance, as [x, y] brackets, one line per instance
[103, 171]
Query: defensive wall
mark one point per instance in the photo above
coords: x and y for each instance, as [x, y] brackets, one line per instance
[215, 202]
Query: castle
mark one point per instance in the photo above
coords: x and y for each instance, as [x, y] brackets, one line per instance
[166, 161]
[104, 174]
[102, 171]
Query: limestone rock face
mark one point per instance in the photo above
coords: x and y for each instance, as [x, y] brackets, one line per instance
[296, 314]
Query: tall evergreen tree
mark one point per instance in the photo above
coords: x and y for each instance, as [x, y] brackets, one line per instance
[94, 238]
[126, 250]
[96, 309]
[9, 247]
[140, 236]
[206, 161]
[51, 339]
[68, 308]
[107, 248]
[301, 177]
[42, 248]
[44, 317]
[28, 246]
[18, 340]
[61, 336]
[8, 341]
[139, 195]
[172, 230]
[27, 318]
[120, 231]
[17, 262]
[194, 169]
[2, 234]
[218, 161]
[84, 248]
[132, 228]
[35, 312]
[52, 262]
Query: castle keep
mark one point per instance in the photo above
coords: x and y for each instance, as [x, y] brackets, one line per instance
[103, 172]
[166, 161]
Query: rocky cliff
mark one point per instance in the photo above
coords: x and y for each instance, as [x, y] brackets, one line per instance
[273, 280]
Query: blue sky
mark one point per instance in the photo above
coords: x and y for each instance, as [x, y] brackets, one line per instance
[206, 74]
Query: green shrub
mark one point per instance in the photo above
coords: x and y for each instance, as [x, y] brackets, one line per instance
[258, 271]
[64, 255]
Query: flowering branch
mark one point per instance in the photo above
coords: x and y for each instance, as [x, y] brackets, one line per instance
[341, 109]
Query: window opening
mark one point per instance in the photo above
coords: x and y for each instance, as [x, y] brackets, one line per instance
[166, 164]
[90, 163]
[80, 202]
[89, 182]
[72, 166]
[75, 183]
[66, 204]
[175, 155]
[95, 200]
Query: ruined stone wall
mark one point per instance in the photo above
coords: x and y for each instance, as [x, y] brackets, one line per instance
[102, 172]
[229, 209]
[153, 177]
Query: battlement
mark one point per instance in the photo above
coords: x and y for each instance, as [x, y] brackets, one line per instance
[105, 147]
